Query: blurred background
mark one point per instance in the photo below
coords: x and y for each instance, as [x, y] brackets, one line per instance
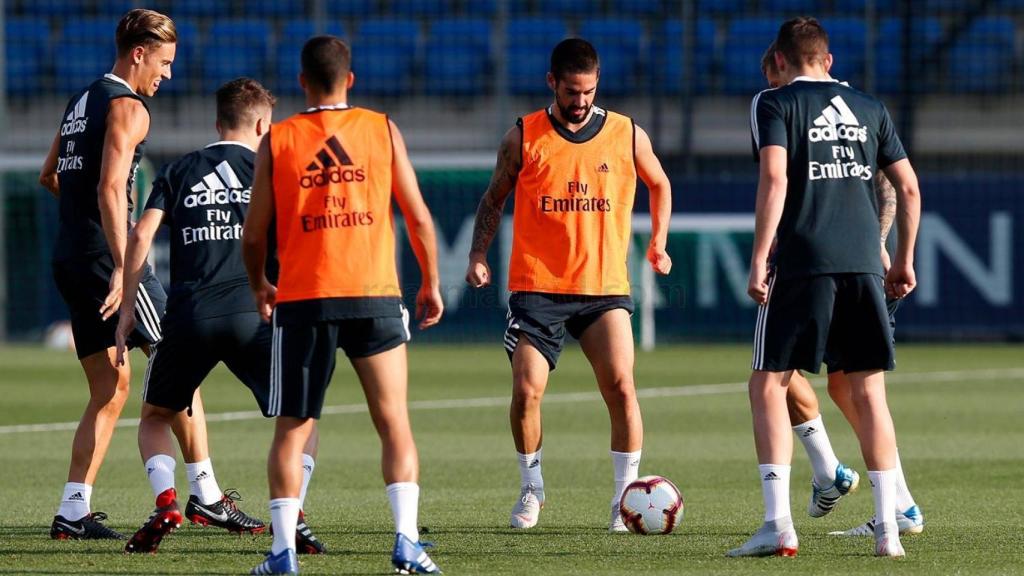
[455, 75]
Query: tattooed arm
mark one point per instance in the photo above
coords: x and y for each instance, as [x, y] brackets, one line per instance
[488, 213]
[886, 193]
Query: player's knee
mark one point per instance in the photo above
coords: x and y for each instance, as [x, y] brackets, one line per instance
[621, 390]
[527, 394]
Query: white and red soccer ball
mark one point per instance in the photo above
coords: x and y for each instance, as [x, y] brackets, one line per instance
[651, 505]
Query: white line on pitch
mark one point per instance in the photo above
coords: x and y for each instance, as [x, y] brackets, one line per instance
[501, 401]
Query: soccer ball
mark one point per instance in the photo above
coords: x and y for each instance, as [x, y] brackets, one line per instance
[651, 505]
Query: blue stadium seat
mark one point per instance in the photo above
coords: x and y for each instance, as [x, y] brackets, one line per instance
[115, 8]
[51, 8]
[722, 7]
[529, 42]
[276, 9]
[91, 43]
[384, 55]
[294, 35]
[667, 53]
[350, 8]
[459, 54]
[418, 8]
[619, 42]
[235, 48]
[790, 7]
[982, 58]
[925, 33]
[745, 42]
[27, 52]
[195, 8]
[645, 8]
[847, 43]
[186, 59]
[572, 8]
[857, 7]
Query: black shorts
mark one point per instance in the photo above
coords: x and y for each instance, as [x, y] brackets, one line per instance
[833, 363]
[544, 318]
[190, 349]
[303, 357]
[84, 283]
[843, 315]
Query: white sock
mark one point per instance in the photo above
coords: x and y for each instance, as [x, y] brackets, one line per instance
[904, 500]
[775, 488]
[160, 469]
[819, 450]
[201, 482]
[284, 516]
[627, 469]
[529, 469]
[75, 504]
[883, 488]
[405, 504]
[308, 464]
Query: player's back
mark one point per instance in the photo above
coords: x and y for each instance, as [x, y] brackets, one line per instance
[80, 156]
[836, 138]
[205, 197]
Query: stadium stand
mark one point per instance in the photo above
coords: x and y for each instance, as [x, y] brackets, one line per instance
[619, 43]
[350, 8]
[926, 33]
[528, 46]
[235, 48]
[847, 37]
[92, 44]
[982, 57]
[28, 55]
[745, 42]
[289, 48]
[667, 52]
[458, 54]
[385, 55]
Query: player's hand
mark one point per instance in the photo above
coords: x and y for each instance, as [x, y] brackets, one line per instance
[266, 299]
[125, 326]
[113, 300]
[886, 261]
[429, 306]
[757, 286]
[478, 274]
[660, 261]
[900, 280]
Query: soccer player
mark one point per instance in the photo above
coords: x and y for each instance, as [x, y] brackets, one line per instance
[803, 403]
[326, 178]
[819, 144]
[90, 168]
[211, 316]
[574, 168]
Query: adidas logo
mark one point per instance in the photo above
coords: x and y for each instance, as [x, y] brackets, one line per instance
[221, 186]
[771, 476]
[603, 168]
[328, 167]
[75, 121]
[307, 468]
[809, 431]
[77, 496]
[202, 476]
[535, 463]
[837, 122]
[149, 471]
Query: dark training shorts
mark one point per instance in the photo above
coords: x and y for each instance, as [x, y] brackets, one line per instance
[544, 319]
[303, 357]
[190, 349]
[84, 284]
[841, 315]
[834, 363]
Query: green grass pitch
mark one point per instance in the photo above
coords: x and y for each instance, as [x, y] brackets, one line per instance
[958, 413]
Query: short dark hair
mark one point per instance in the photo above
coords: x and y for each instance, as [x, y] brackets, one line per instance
[802, 41]
[326, 62]
[574, 56]
[147, 28]
[239, 101]
[768, 60]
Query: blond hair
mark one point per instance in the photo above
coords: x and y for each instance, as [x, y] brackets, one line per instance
[146, 28]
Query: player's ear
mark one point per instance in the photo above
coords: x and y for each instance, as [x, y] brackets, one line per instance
[351, 80]
[827, 62]
[780, 61]
[217, 126]
[302, 80]
[138, 53]
[552, 81]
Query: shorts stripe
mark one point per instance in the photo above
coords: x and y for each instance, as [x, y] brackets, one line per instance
[144, 304]
[405, 323]
[759, 330]
[274, 401]
[149, 368]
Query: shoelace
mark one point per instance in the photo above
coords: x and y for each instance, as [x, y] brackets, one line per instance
[98, 516]
[230, 495]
